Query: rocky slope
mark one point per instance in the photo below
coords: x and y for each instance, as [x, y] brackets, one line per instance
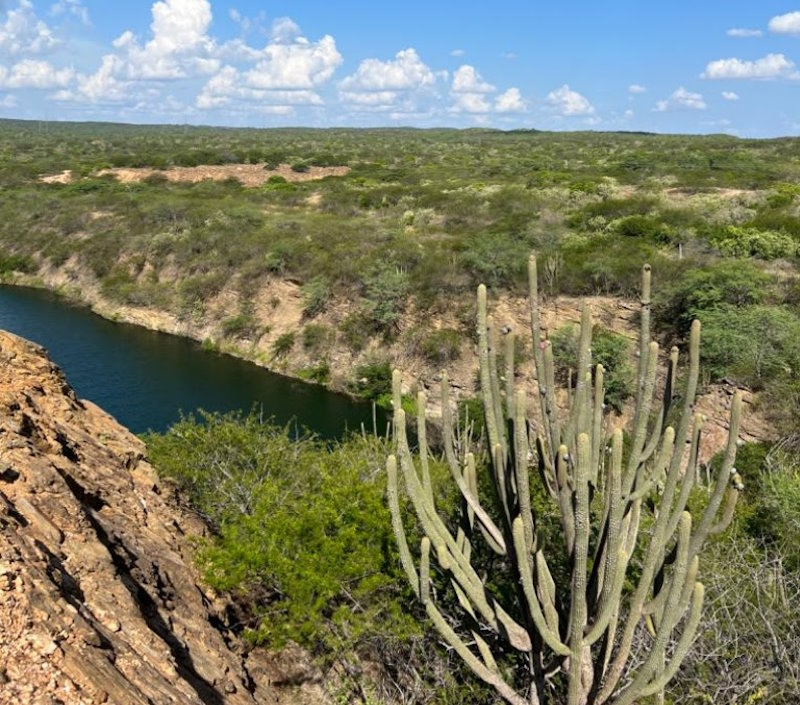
[98, 599]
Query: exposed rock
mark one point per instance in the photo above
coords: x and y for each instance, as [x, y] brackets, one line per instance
[99, 602]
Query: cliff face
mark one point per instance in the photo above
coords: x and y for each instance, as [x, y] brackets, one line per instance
[98, 599]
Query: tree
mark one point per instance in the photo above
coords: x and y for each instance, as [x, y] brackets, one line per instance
[561, 626]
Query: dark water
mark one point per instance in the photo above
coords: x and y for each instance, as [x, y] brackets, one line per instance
[145, 379]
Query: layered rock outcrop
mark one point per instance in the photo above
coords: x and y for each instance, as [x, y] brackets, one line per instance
[99, 602]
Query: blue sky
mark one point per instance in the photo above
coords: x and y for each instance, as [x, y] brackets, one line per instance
[702, 66]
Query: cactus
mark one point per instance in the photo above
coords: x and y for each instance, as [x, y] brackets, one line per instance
[573, 637]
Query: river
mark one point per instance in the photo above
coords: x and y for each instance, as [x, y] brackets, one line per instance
[146, 379]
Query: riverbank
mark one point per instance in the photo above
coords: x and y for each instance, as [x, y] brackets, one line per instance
[278, 314]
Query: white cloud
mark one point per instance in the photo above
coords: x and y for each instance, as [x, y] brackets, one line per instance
[742, 33]
[785, 24]
[229, 87]
[458, 53]
[681, 99]
[285, 29]
[474, 103]
[568, 102]
[730, 95]
[770, 66]
[405, 72]
[31, 73]
[510, 102]
[8, 101]
[467, 80]
[295, 65]
[23, 32]
[71, 7]
[636, 88]
[628, 114]
[510, 55]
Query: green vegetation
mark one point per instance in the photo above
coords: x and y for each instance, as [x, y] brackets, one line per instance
[617, 578]
[303, 543]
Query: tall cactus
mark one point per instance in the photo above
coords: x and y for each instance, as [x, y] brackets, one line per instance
[573, 630]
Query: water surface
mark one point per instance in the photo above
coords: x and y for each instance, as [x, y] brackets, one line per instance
[145, 379]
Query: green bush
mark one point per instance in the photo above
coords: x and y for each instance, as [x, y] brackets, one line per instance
[734, 283]
[372, 380]
[735, 241]
[315, 336]
[609, 349]
[316, 295]
[356, 330]
[17, 263]
[243, 325]
[441, 346]
[319, 374]
[754, 346]
[385, 298]
[283, 344]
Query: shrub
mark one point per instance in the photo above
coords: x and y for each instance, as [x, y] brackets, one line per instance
[754, 346]
[735, 241]
[441, 345]
[283, 344]
[17, 263]
[320, 373]
[372, 379]
[728, 283]
[315, 336]
[609, 349]
[386, 290]
[356, 330]
[243, 325]
[316, 295]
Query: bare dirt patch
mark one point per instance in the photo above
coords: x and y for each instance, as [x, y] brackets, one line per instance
[64, 177]
[247, 174]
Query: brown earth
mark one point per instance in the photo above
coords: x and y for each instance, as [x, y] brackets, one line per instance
[99, 602]
[248, 174]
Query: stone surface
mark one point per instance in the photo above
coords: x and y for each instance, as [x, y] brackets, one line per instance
[99, 601]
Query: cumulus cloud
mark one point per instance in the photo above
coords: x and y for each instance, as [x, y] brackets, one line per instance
[730, 95]
[8, 101]
[31, 73]
[399, 86]
[22, 32]
[475, 103]
[635, 88]
[457, 53]
[287, 74]
[405, 72]
[510, 101]
[681, 99]
[786, 24]
[742, 33]
[467, 80]
[769, 67]
[568, 102]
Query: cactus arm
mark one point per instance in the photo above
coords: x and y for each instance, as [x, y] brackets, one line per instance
[682, 648]
[534, 607]
[597, 423]
[397, 525]
[578, 609]
[641, 418]
[523, 480]
[607, 608]
[473, 662]
[723, 479]
[509, 374]
[422, 438]
[492, 429]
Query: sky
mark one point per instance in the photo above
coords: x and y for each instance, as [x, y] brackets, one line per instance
[705, 66]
